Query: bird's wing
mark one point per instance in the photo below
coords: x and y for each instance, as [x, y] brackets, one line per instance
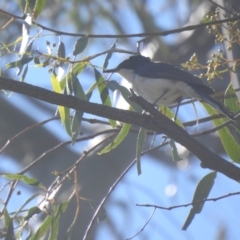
[168, 71]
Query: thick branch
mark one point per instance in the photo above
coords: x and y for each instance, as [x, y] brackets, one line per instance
[154, 122]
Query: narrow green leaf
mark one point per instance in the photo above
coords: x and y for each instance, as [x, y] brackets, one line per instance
[18, 63]
[63, 111]
[24, 74]
[8, 225]
[61, 50]
[42, 230]
[113, 85]
[109, 55]
[104, 94]
[229, 143]
[170, 114]
[76, 125]
[25, 179]
[120, 137]
[140, 142]
[77, 89]
[233, 104]
[80, 45]
[32, 211]
[74, 71]
[39, 5]
[175, 154]
[202, 191]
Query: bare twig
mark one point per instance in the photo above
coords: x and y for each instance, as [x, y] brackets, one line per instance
[190, 204]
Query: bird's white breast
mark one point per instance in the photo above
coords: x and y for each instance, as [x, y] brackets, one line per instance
[159, 91]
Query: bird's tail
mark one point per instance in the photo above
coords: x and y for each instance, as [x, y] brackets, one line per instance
[217, 105]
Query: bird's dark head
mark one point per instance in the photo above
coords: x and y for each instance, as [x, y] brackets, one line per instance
[130, 63]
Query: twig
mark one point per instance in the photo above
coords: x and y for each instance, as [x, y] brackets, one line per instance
[189, 204]
[150, 217]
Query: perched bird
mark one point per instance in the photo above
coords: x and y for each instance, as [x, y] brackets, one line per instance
[164, 84]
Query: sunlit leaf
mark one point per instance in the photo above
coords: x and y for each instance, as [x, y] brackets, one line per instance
[80, 45]
[230, 144]
[76, 69]
[120, 137]
[63, 111]
[104, 94]
[202, 191]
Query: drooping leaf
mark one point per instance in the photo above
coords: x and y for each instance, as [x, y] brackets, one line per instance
[80, 45]
[61, 50]
[202, 191]
[140, 142]
[43, 229]
[39, 5]
[76, 125]
[104, 94]
[63, 111]
[31, 212]
[119, 138]
[175, 154]
[24, 74]
[229, 143]
[109, 55]
[8, 225]
[19, 63]
[25, 179]
[75, 71]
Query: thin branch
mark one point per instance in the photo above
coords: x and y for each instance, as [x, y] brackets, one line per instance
[150, 122]
[112, 189]
[151, 34]
[150, 217]
[190, 204]
[37, 160]
[10, 140]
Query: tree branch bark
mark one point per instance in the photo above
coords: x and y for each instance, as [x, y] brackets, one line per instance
[154, 122]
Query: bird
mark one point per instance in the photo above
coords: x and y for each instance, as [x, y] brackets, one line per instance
[165, 84]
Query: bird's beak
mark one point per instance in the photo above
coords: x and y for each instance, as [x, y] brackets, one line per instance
[110, 70]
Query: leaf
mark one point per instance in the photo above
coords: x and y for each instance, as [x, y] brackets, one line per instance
[76, 69]
[76, 125]
[202, 191]
[109, 55]
[104, 94]
[175, 154]
[170, 114]
[140, 142]
[31, 212]
[119, 138]
[24, 74]
[61, 50]
[63, 111]
[77, 89]
[8, 225]
[80, 45]
[25, 179]
[18, 63]
[25, 37]
[42, 230]
[229, 143]
[113, 85]
[39, 5]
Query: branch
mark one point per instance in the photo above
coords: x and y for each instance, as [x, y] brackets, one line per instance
[155, 122]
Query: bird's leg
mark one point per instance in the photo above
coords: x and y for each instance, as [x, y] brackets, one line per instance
[160, 97]
[178, 105]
